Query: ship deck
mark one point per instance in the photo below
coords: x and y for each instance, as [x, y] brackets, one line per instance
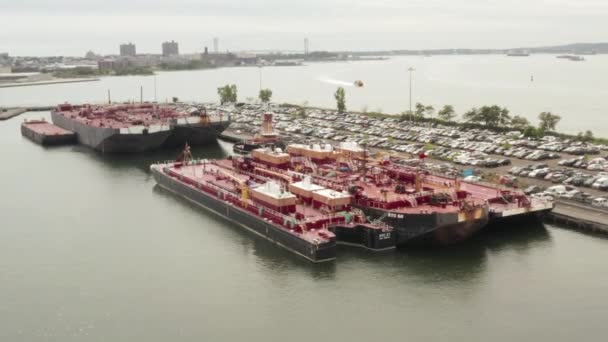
[221, 176]
[123, 116]
[46, 128]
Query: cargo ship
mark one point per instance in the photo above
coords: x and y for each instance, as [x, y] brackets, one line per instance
[299, 216]
[344, 195]
[422, 207]
[138, 127]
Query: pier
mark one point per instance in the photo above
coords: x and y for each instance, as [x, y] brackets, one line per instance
[580, 217]
[6, 114]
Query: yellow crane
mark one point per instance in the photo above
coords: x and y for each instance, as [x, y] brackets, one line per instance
[241, 185]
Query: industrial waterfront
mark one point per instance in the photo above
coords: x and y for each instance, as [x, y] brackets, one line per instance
[92, 250]
[570, 89]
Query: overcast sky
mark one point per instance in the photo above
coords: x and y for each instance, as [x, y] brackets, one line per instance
[72, 27]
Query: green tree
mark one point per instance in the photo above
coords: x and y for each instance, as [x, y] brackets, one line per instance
[340, 97]
[548, 121]
[429, 110]
[447, 113]
[519, 122]
[227, 93]
[420, 110]
[265, 95]
[492, 116]
[587, 136]
[532, 132]
[472, 115]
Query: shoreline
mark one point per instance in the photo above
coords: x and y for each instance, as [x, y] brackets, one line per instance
[57, 81]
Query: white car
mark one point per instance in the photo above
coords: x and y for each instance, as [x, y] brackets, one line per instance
[600, 202]
[472, 179]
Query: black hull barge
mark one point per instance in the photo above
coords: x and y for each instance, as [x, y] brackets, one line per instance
[267, 209]
[129, 128]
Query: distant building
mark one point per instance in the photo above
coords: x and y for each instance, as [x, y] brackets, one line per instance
[111, 64]
[91, 55]
[170, 48]
[127, 50]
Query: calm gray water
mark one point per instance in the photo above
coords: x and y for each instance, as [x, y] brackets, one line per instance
[575, 90]
[90, 250]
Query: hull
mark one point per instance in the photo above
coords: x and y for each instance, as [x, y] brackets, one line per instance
[45, 139]
[112, 140]
[366, 237]
[535, 216]
[432, 228]
[195, 134]
[312, 252]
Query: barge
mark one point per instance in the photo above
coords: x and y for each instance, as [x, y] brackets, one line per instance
[45, 133]
[270, 210]
[138, 127]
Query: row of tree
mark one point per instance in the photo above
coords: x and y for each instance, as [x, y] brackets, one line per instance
[488, 116]
[228, 94]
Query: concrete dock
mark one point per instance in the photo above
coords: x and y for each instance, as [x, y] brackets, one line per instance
[579, 217]
[8, 113]
[54, 81]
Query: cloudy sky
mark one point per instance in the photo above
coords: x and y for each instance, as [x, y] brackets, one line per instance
[72, 27]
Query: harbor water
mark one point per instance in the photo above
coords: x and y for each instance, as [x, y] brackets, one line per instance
[525, 85]
[91, 250]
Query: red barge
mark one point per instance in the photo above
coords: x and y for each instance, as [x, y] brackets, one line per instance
[311, 197]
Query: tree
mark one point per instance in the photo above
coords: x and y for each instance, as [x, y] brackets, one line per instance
[492, 116]
[532, 132]
[227, 93]
[447, 113]
[420, 109]
[519, 122]
[587, 136]
[429, 110]
[548, 121]
[265, 95]
[471, 116]
[340, 97]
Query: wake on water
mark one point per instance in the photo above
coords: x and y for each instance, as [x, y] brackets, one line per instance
[336, 82]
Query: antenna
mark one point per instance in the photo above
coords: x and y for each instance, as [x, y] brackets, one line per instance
[109, 97]
[141, 94]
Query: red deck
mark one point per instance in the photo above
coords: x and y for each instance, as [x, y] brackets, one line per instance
[213, 177]
[125, 115]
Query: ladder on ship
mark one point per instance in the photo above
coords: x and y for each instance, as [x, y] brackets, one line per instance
[379, 220]
[308, 162]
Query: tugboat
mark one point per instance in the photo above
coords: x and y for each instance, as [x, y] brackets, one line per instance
[266, 138]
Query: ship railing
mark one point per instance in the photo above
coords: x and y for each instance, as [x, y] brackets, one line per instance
[238, 201]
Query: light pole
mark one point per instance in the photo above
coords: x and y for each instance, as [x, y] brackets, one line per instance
[410, 69]
[260, 68]
[155, 99]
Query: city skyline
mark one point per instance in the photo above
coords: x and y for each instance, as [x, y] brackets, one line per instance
[271, 25]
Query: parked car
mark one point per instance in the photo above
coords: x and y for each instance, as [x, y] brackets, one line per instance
[600, 202]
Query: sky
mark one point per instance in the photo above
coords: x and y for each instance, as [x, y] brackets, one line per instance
[73, 27]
